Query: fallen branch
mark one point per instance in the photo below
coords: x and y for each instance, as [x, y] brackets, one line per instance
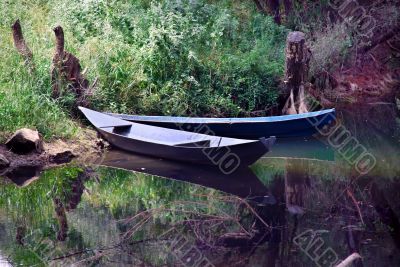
[349, 260]
[350, 194]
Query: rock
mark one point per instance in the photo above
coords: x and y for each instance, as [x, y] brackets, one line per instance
[62, 157]
[4, 163]
[25, 141]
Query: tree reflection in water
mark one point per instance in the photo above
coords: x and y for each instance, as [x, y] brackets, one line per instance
[115, 217]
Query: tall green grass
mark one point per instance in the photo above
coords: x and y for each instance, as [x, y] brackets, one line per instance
[25, 97]
[204, 58]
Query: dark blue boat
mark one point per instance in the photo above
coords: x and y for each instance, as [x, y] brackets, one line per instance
[298, 125]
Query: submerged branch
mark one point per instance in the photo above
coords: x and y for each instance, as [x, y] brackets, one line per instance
[349, 260]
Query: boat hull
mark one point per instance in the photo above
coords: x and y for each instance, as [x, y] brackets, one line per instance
[287, 126]
[241, 154]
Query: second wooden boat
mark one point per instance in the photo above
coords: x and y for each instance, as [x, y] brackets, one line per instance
[297, 125]
[176, 144]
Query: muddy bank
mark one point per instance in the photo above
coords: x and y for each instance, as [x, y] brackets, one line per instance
[86, 147]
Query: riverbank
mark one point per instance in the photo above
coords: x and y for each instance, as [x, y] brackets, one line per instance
[85, 146]
[226, 61]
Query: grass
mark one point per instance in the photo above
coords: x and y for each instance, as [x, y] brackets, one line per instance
[204, 58]
[23, 108]
[25, 97]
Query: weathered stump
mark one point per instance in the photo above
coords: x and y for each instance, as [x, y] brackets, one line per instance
[296, 72]
[66, 72]
[21, 46]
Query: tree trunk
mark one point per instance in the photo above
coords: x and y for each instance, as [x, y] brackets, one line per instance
[273, 6]
[66, 72]
[260, 6]
[21, 46]
[296, 71]
[288, 7]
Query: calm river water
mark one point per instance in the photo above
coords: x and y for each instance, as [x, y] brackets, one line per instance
[310, 202]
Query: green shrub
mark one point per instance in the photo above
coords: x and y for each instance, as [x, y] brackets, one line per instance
[204, 58]
[177, 57]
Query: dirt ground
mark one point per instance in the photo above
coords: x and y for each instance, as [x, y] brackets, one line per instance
[85, 147]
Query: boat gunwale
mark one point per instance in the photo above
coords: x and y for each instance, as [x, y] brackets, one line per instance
[109, 129]
[248, 141]
[197, 120]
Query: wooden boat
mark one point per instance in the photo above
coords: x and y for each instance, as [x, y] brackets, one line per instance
[297, 125]
[176, 144]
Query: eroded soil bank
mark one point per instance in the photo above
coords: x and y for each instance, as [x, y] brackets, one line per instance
[86, 146]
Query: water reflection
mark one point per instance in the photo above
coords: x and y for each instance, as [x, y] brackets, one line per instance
[23, 175]
[302, 148]
[90, 213]
[242, 182]
[302, 205]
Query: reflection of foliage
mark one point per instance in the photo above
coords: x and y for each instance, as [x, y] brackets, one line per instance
[267, 169]
[125, 215]
[123, 191]
[145, 206]
[34, 203]
[32, 207]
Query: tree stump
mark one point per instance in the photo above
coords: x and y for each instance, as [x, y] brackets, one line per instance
[21, 46]
[296, 72]
[66, 72]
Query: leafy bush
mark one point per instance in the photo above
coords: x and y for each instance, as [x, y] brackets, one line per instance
[177, 57]
[204, 58]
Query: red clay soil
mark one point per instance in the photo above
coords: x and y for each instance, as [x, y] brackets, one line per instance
[373, 73]
[365, 82]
